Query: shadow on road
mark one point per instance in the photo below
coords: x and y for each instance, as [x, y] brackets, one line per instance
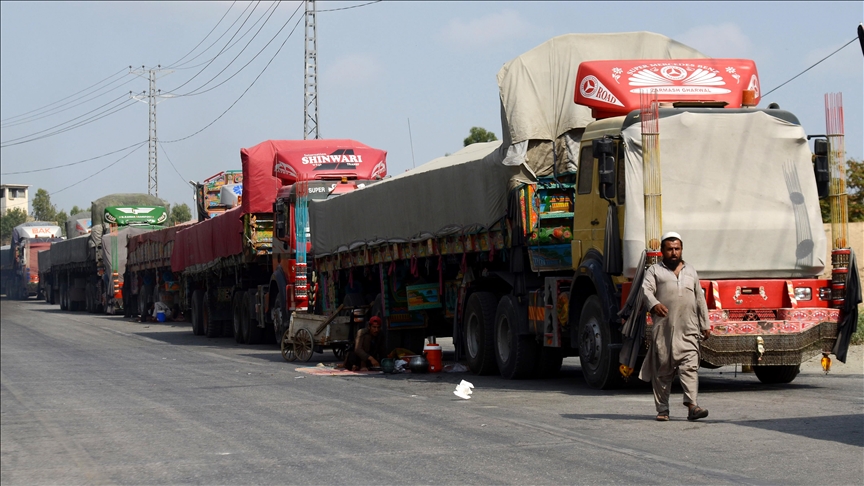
[845, 429]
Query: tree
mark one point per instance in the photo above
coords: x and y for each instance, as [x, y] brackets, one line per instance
[61, 218]
[43, 210]
[9, 221]
[75, 210]
[854, 190]
[478, 135]
[180, 213]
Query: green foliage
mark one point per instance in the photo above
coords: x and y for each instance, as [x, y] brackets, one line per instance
[43, 210]
[61, 218]
[75, 210]
[180, 213]
[479, 135]
[855, 198]
[8, 222]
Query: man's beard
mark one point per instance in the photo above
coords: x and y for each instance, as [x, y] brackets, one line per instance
[672, 262]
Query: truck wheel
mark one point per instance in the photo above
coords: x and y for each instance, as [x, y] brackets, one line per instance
[479, 329]
[549, 361]
[252, 333]
[197, 304]
[212, 329]
[599, 363]
[772, 375]
[515, 355]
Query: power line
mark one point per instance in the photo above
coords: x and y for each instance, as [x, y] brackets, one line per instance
[809, 68]
[196, 92]
[56, 110]
[220, 51]
[185, 180]
[87, 121]
[100, 171]
[205, 37]
[250, 86]
[63, 99]
[348, 8]
[74, 163]
[213, 44]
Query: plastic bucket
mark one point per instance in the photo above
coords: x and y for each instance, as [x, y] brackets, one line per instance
[434, 356]
[160, 316]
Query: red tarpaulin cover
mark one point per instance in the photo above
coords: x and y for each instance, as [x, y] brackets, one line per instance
[208, 240]
[612, 88]
[161, 237]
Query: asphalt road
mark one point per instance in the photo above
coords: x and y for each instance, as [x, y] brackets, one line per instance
[88, 399]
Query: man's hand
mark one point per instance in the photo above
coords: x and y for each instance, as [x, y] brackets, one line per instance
[660, 310]
[374, 361]
[706, 334]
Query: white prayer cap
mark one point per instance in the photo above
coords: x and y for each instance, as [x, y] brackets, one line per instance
[671, 234]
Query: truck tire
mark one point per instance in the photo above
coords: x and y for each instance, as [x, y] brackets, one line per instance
[515, 355]
[776, 375]
[549, 361]
[252, 333]
[599, 362]
[280, 318]
[212, 329]
[479, 329]
[197, 317]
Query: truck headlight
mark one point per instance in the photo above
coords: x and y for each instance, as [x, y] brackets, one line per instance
[825, 293]
[803, 293]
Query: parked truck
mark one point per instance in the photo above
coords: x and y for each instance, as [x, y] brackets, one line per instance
[28, 239]
[87, 271]
[525, 250]
[5, 268]
[230, 277]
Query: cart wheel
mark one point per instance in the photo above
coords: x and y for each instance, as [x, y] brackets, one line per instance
[303, 345]
[287, 347]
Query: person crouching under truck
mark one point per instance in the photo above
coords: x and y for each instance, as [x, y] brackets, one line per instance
[680, 317]
[369, 348]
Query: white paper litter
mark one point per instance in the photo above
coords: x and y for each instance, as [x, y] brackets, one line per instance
[463, 390]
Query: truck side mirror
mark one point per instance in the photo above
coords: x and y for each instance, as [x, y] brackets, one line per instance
[820, 166]
[279, 216]
[604, 150]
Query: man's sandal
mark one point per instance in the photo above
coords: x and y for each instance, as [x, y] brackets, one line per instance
[663, 416]
[696, 413]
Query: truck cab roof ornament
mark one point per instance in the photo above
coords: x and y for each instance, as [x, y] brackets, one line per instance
[611, 88]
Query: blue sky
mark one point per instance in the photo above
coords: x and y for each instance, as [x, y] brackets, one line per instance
[379, 66]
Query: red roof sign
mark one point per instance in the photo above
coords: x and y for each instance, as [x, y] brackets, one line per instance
[330, 159]
[612, 88]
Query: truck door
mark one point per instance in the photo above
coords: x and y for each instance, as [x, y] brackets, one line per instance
[589, 219]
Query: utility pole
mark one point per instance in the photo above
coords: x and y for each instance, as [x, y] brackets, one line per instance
[152, 100]
[310, 78]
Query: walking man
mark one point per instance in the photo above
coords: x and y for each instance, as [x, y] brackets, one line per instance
[680, 318]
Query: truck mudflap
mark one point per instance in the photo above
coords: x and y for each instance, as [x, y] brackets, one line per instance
[794, 337]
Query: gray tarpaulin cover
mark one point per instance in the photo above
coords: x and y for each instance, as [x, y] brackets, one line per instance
[743, 199]
[463, 191]
[537, 88]
[108, 247]
[44, 259]
[537, 93]
[75, 250]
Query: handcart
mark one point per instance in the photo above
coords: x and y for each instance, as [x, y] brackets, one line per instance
[310, 333]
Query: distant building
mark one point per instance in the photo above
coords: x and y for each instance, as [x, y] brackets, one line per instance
[14, 196]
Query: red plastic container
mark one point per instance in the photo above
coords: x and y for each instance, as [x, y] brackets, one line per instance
[434, 356]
